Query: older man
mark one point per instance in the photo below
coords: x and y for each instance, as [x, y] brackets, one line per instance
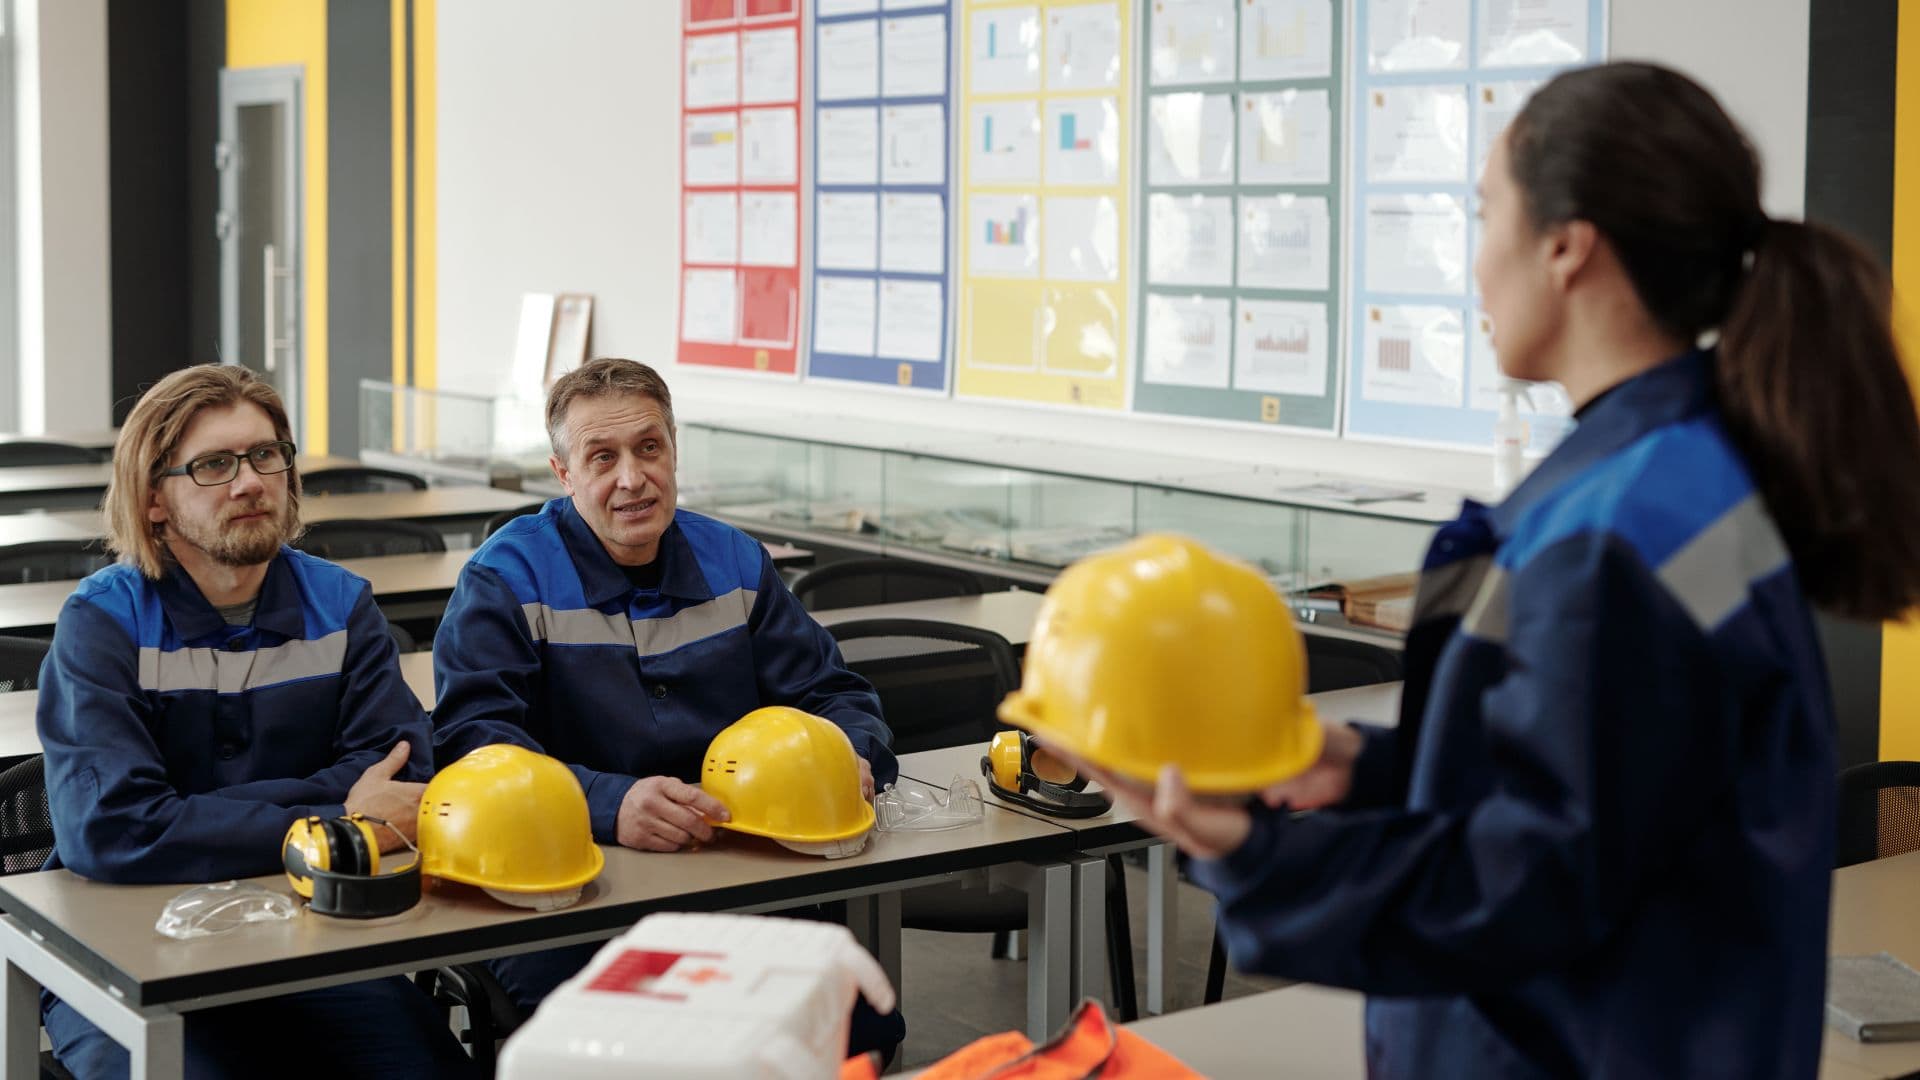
[620, 634]
[211, 689]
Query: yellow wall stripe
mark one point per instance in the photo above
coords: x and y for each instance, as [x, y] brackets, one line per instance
[402, 218]
[273, 33]
[425, 191]
[1900, 651]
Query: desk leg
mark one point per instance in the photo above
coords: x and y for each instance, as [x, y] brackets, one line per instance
[1090, 931]
[162, 1050]
[153, 1036]
[1049, 949]
[875, 922]
[20, 1036]
[1163, 901]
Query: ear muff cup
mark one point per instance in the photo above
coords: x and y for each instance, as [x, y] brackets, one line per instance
[1009, 766]
[335, 863]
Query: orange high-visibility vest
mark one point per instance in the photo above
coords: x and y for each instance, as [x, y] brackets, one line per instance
[1089, 1046]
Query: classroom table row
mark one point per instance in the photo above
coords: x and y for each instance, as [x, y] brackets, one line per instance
[50, 487]
[405, 586]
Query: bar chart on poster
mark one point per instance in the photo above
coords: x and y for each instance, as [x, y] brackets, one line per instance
[1239, 293]
[881, 193]
[1044, 220]
[740, 185]
[1435, 83]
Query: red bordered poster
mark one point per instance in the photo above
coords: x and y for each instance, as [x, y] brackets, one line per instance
[740, 185]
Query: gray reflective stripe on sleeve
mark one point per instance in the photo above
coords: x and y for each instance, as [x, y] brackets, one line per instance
[1486, 617]
[648, 637]
[227, 672]
[1449, 590]
[1712, 573]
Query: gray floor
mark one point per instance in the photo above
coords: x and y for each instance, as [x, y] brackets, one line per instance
[954, 992]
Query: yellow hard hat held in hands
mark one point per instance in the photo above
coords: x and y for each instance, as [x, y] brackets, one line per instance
[1164, 652]
[790, 776]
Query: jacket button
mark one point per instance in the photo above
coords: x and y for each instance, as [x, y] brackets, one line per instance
[659, 690]
[236, 644]
[228, 751]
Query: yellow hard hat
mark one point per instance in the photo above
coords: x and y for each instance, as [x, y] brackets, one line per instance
[1161, 652]
[791, 776]
[511, 821]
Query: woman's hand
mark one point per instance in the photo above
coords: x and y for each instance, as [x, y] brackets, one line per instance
[1213, 827]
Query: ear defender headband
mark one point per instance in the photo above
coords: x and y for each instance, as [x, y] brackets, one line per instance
[1020, 771]
[335, 864]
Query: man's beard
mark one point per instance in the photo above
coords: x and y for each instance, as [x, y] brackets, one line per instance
[232, 543]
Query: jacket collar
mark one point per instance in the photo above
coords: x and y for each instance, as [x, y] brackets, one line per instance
[193, 617]
[1665, 394]
[601, 580]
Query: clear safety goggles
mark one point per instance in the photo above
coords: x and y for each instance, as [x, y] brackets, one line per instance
[206, 910]
[911, 806]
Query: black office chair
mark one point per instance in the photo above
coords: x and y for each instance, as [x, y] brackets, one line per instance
[1879, 811]
[30, 452]
[491, 1013]
[52, 560]
[947, 697]
[26, 825]
[1333, 663]
[358, 480]
[859, 582]
[496, 521]
[20, 660]
[359, 538]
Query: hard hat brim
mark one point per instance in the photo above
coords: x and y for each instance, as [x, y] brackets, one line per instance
[865, 826]
[1018, 710]
[576, 881]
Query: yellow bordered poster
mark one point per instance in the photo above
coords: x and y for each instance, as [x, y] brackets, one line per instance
[1046, 89]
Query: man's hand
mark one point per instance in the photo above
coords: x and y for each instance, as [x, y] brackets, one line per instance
[660, 813]
[866, 779]
[378, 795]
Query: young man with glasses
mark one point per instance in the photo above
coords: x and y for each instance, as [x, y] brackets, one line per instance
[209, 690]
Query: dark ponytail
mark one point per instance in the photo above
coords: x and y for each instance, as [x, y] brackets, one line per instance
[1813, 391]
[1810, 380]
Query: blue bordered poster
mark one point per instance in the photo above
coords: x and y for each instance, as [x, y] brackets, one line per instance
[1435, 82]
[881, 192]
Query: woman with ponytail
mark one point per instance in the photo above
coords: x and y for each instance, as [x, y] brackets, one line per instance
[1599, 842]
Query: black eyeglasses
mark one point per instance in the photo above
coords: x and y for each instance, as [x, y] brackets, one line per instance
[221, 466]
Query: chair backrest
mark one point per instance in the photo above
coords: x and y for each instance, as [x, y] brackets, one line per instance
[358, 480]
[1336, 663]
[358, 538]
[20, 660]
[52, 560]
[859, 582]
[26, 825]
[1879, 811]
[939, 683]
[30, 452]
[496, 521]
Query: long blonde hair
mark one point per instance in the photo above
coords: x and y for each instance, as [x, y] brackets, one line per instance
[150, 436]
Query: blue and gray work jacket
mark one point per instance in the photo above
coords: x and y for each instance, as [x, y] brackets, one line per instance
[1599, 841]
[179, 748]
[546, 644]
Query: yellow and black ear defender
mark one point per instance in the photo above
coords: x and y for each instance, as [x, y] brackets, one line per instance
[1020, 770]
[335, 864]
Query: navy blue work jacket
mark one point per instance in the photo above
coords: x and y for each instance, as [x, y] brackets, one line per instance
[1600, 841]
[179, 749]
[547, 645]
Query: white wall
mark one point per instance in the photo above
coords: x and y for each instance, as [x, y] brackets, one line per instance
[65, 337]
[558, 156]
